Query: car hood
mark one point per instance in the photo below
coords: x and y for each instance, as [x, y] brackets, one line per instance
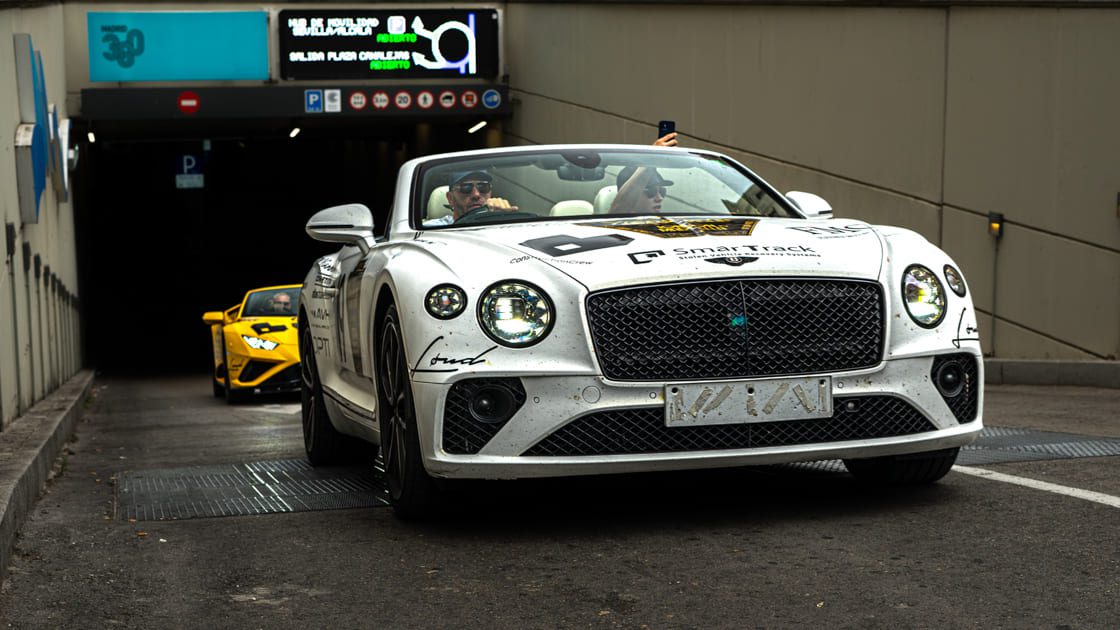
[603, 253]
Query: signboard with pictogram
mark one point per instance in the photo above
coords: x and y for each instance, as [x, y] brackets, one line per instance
[167, 103]
[189, 102]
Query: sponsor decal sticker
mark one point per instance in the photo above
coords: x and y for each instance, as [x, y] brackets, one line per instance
[676, 228]
[733, 255]
[564, 245]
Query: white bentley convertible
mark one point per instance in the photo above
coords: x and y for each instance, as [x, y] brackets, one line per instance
[584, 309]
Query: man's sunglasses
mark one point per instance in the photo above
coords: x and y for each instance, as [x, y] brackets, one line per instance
[465, 187]
[653, 191]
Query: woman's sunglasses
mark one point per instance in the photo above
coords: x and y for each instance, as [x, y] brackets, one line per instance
[465, 187]
[653, 191]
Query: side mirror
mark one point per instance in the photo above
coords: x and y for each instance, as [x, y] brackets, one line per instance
[351, 223]
[812, 206]
[213, 317]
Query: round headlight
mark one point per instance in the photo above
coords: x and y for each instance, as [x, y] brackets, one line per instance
[515, 313]
[954, 279]
[923, 295]
[445, 301]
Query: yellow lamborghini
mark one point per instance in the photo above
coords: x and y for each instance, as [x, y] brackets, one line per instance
[256, 347]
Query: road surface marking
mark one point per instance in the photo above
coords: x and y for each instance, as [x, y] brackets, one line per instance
[1088, 495]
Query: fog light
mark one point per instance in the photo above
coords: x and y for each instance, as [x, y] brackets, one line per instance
[492, 405]
[949, 379]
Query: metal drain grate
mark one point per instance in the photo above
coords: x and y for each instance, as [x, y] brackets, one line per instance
[244, 489]
[998, 445]
[293, 485]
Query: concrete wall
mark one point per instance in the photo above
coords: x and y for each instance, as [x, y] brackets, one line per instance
[39, 347]
[929, 118]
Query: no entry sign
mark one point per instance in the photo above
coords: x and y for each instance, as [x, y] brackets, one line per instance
[188, 102]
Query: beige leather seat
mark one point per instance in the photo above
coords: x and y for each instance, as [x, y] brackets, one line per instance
[437, 204]
[604, 198]
[571, 207]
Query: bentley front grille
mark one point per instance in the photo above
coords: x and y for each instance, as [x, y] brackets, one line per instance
[643, 430]
[737, 328]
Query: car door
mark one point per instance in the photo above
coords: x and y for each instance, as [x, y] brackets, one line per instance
[355, 371]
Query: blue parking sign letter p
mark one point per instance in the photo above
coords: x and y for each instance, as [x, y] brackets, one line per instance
[312, 101]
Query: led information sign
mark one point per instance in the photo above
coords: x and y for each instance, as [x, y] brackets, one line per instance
[388, 44]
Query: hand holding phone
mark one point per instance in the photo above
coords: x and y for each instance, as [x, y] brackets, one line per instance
[666, 127]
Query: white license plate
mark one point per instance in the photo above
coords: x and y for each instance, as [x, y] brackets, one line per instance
[738, 402]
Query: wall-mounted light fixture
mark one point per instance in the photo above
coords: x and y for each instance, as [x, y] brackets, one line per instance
[92, 138]
[294, 132]
[995, 224]
[478, 126]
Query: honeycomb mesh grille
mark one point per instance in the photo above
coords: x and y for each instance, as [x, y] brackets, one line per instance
[965, 405]
[644, 431]
[737, 328]
[463, 434]
[254, 369]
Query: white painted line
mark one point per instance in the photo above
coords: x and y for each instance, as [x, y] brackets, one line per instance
[285, 409]
[1088, 495]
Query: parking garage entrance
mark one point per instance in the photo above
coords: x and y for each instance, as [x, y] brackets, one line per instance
[175, 217]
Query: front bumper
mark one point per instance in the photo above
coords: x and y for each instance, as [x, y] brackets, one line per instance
[583, 425]
[282, 377]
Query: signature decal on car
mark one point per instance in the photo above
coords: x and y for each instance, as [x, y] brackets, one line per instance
[734, 255]
[970, 331]
[564, 245]
[675, 228]
[822, 231]
[441, 360]
[521, 259]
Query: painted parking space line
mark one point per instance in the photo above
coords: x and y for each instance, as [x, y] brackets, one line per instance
[292, 408]
[1088, 495]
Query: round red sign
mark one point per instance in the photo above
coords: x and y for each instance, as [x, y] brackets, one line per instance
[188, 102]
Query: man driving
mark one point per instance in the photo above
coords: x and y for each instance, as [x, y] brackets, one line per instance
[280, 304]
[470, 192]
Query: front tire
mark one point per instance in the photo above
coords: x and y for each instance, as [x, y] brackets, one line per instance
[412, 492]
[232, 395]
[899, 470]
[322, 442]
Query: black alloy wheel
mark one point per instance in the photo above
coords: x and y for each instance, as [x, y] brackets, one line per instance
[412, 492]
[322, 442]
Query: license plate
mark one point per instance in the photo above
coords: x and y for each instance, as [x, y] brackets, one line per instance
[739, 402]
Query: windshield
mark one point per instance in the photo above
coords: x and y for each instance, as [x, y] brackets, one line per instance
[271, 303]
[584, 183]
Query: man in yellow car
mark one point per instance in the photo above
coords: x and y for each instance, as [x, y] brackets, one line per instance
[280, 303]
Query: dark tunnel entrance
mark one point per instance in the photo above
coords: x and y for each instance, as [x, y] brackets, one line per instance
[153, 257]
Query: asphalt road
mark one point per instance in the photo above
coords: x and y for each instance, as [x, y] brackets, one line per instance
[767, 548]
